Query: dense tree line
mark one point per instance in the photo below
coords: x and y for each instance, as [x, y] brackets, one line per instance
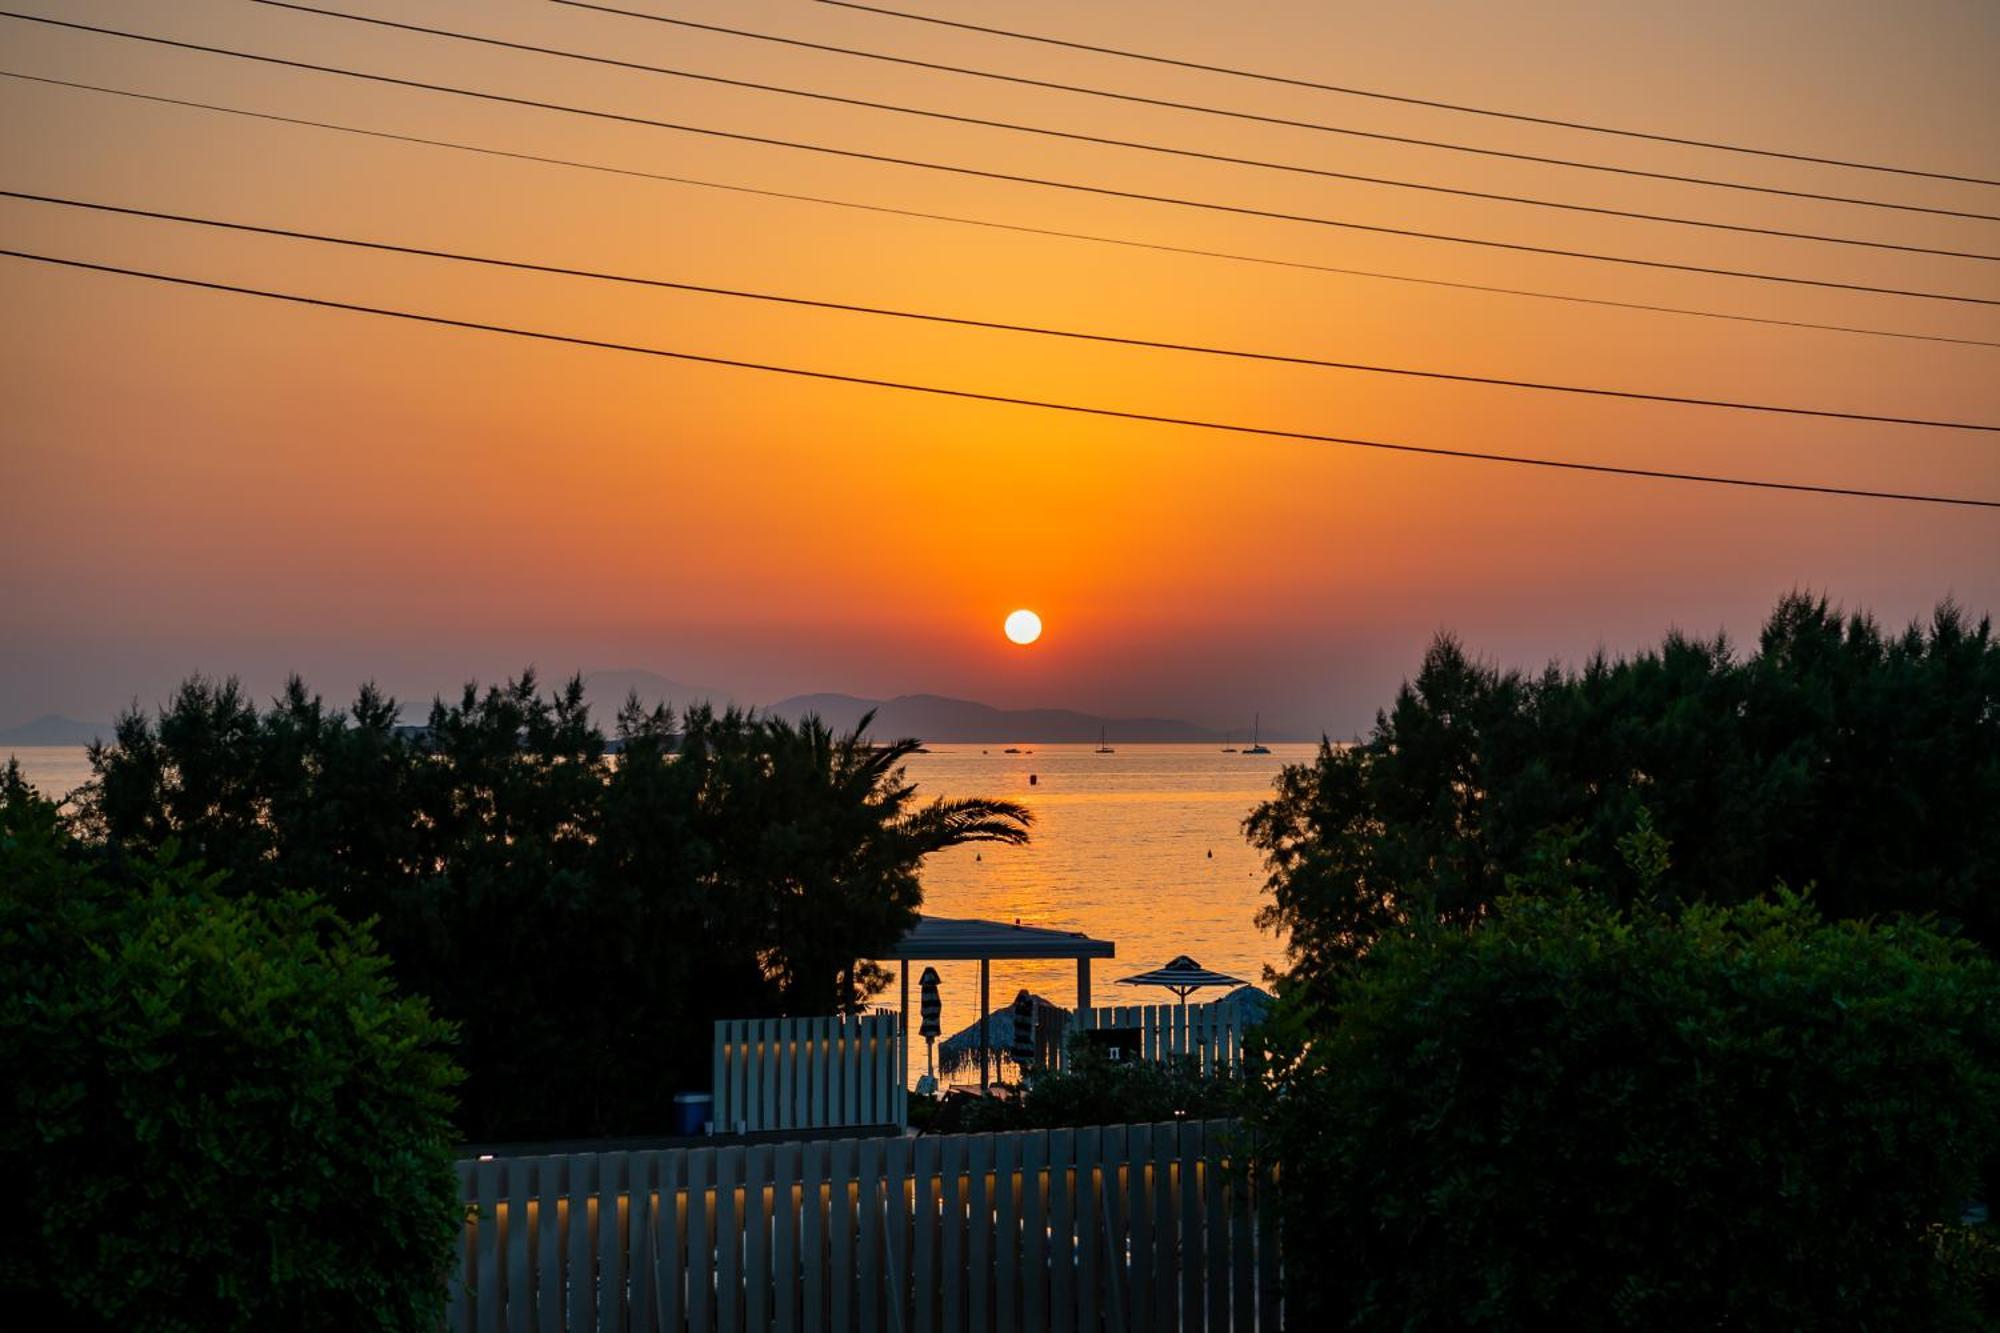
[582, 916]
[1862, 764]
[1556, 1047]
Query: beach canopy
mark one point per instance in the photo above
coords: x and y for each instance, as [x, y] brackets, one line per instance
[1182, 976]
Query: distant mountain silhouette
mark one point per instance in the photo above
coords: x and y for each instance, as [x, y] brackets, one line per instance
[932, 717]
[55, 730]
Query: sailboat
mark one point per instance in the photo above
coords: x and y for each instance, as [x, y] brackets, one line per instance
[1256, 746]
[1102, 748]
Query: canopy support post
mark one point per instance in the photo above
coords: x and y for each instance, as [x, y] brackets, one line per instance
[985, 1004]
[1082, 988]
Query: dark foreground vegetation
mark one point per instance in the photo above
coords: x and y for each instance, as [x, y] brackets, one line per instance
[217, 1113]
[1556, 1049]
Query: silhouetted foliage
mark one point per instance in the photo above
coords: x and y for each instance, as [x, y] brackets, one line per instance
[1864, 765]
[1568, 1117]
[218, 1114]
[1092, 1090]
[583, 917]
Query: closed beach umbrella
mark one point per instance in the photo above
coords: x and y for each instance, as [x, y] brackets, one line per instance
[932, 1009]
[1026, 1037]
[929, 1005]
[1182, 976]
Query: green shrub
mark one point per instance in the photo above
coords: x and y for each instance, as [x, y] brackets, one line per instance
[217, 1113]
[1092, 1090]
[1565, 1117]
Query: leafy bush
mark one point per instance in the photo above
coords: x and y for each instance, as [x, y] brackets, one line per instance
[1565, 1117]
[217, 1113]
[1092, 1090]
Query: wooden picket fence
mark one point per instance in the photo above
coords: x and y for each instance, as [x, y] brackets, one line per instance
[810, 1073]
[1209, 1034]
[1119, 1229]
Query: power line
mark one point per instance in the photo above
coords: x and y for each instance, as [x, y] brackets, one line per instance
[1077, 136]
[1234, 210]
[991, 224]
[1407, 100]
[999, 326]
[1202, 108]
[1008, 400]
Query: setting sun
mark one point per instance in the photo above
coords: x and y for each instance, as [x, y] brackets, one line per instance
[1024, 627]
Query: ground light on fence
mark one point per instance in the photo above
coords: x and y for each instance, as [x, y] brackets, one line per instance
[1125, 1228]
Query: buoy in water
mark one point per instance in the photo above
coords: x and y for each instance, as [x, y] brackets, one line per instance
[1211, 854]
[1032, 779]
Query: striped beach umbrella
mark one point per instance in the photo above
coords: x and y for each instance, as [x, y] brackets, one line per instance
[1183, 976]
[929, 1005]
[932, 1009]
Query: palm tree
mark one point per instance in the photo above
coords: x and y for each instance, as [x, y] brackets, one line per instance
[824, 838]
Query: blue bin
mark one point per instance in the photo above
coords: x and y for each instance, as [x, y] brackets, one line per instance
[692, 1111]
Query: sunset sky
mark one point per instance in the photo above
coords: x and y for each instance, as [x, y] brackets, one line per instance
[192, 480]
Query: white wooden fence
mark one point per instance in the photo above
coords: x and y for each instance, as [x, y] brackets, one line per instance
[1209, 1034]
[1117, 1228]
[810, 1073]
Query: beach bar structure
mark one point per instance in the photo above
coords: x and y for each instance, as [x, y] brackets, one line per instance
[937, 939]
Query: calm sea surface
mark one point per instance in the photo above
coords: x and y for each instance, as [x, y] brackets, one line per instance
[1143, 847]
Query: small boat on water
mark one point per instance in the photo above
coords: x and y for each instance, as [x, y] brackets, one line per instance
[1012, 749]
[1102, 748]
[1256, 745]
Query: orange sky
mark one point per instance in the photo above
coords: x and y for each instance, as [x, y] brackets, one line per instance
[198, 481]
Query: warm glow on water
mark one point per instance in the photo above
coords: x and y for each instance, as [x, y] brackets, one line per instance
[1121, 852]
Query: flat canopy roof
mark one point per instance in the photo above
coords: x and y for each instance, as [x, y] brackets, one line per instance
[943, 938]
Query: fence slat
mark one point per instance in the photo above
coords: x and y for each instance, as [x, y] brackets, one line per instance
[1091, 1169]
[868, 1218]
[1166, 1226]
[728, 1241]
[611, 1177]
[1034, 1233]
[897, 1167]
[487, 1307]
[951, 1243]
[840, 1221]
[700, 1242]
[641, 1255]
[1217, 1226]
[547, 1257]
[1139, 1227]
[670, 1242]
[1242, 1256]
[1194, 1270]
[785, 1239]
[813, 1296]
[1269, 1290]
[1062, 1233]
[520, 1234]
[979, 1239]
[758, 1200]
[1006, 1232]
